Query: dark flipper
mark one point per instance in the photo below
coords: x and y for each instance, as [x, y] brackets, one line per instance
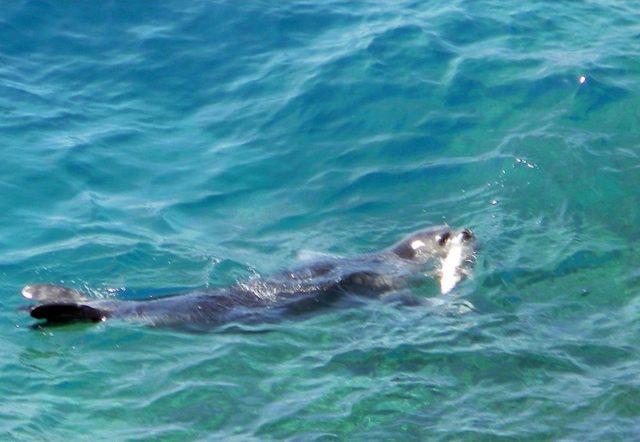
[68, 312]
[48, 293]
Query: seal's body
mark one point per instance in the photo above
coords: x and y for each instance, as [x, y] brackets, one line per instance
[438, 251]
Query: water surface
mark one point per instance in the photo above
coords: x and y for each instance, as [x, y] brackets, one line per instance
[186, 144]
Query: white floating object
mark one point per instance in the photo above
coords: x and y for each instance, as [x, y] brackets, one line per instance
[450, 272]
[582, 79]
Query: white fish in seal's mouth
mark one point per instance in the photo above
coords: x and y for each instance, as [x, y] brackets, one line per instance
[451, 252]
[457, 262]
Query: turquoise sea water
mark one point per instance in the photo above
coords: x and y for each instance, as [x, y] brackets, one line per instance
[147, 146]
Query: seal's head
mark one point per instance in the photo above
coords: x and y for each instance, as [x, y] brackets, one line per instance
[453, 251]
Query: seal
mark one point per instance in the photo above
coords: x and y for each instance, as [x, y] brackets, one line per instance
[439, 252]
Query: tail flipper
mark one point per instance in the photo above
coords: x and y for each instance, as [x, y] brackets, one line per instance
[48, 293]
[57, 304]
[68, 312]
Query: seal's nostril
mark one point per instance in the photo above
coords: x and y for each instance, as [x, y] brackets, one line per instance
[466, 235]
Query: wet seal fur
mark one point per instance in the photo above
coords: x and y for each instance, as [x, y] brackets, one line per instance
[440, 252]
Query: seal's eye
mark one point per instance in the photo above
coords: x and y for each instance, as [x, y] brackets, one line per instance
[443, 238]
[466, 234]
